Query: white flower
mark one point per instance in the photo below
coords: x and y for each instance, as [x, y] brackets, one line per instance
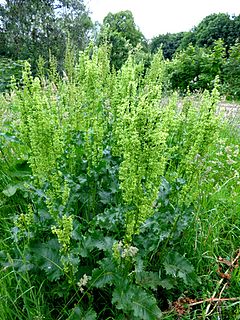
[230, 161]
[83, 282]
[129, 251]
[228, 149]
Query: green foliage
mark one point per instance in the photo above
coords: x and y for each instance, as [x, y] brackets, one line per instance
[217, 26]
[168, 42]
[9, 69]
[177, 266]
[140, 139]
[198, 56]
[38, 27]
[231, 73]
[101, 178]
[136, 302]
[119, 31]
[196, 68]
[212, 28]
[80, 313]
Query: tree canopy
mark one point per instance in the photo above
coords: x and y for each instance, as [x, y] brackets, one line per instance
[217, 26]
[169, 43]
[121, 32]
[211, 28]
[33, 28]
[196, 68]
[30, 28]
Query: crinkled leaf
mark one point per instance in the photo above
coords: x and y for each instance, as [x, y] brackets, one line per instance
[103, 275]
[145, 306]
[139, 264]
[47, 258]
[10, 191]
[168, 283]
[95, 241]
[79, 313]
[148, 279]
[135, 299]
[178, 266]
[82, 179]
[112, 219]
[100, 278]
[104, 244]
[105, 197]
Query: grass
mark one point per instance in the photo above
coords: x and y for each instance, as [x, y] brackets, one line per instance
[215, 232]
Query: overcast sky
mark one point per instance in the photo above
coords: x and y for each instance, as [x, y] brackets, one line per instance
[155, 17]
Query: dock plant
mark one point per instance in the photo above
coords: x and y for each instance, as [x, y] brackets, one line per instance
[102, 177]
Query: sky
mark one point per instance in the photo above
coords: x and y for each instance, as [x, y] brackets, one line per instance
[154, 17]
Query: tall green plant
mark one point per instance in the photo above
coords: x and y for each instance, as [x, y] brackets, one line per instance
[109, 186]
[140, 139]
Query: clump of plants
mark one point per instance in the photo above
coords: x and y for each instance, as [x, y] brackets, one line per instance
[102, 178]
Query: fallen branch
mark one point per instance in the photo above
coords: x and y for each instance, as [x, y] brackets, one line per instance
[231, 266]
[213, 300]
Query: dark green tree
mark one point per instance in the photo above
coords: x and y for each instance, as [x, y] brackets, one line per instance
[211, 28]
[30, 28]
[196, 67]
[187, 39]
[217, 26]
[121, 32]
[169, 43]
[231, 73]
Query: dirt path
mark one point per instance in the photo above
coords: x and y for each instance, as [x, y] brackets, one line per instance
[231, 109]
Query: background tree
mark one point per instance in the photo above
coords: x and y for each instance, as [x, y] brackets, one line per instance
[33, 27]
[211, 28]
[188, 38]
[231, 73]
[196, 67]
[216, 26]
[169, 42]
[121, 32]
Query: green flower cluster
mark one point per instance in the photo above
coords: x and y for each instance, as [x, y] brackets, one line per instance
[63, 232]
[140, 138]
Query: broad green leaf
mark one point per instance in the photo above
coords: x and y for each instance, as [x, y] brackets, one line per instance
[104, 244]
[103, 275]
[148, 279]
[168, 283]
[136, 300]
[105, 197]
[47, 258]
[10, 191]
[145, 306]
[178, 266]
[100, 278]
[79, 313]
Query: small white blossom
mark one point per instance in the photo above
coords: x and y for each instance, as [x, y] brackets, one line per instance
[236, 152]
[230, 161]
[228, 149]
[124, 251]
[208, 169]
[83, 282]
[236, 174]
[129, 252]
